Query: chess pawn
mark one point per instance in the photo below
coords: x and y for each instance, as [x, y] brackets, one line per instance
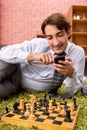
[72, 109]
[58, 107]
[33, 99]
[32, 116]
[63, 112]
[50, 105]
[25, 99]
[27, 113]
[21, 106]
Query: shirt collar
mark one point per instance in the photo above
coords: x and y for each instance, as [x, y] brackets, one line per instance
[67, 48]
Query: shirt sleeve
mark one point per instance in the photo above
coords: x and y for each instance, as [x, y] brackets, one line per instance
[16, 53]
[74, 83]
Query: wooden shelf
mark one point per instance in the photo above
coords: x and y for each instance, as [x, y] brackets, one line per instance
[80, 33]
[78, 19]
[79, 8]
[84, 46]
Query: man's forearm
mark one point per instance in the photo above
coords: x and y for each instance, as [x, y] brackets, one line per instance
[73, 84]
[11, 56]
[32, 57]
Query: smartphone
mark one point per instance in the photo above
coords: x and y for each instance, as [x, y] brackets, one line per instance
[57, 58]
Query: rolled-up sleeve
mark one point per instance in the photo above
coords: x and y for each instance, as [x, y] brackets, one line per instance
[74, 84]
[16, 53]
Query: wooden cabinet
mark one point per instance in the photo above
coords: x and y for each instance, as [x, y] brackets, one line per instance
[78, 18]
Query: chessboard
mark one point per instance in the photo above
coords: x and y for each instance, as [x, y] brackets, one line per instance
[43, 114]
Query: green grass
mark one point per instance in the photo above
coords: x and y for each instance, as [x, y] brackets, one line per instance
[81, 123]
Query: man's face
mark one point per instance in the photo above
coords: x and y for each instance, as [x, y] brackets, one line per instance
[56, 38]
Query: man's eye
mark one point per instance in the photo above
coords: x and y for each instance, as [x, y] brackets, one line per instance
[48, 37]
[60, 34]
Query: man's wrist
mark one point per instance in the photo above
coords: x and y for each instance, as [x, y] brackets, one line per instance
[32, 57]
[73, 74]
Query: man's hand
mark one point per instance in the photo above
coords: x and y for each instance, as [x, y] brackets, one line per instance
[65, 67]
[46, 58]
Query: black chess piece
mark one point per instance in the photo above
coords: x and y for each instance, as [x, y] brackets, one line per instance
[40, 102]
[65, 105]
[46, 112]
[45, 97]
[35, 106]
[68, 118]
[54, 102]
[50, 97]
[6, 109]
[15, 106]
[75, 104]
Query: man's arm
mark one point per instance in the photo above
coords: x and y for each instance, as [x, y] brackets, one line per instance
[26, 52]
[74, 82]
[16, 53]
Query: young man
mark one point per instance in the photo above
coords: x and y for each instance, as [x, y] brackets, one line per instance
[36, 59]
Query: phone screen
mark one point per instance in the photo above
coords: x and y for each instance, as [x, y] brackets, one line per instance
[57, 58]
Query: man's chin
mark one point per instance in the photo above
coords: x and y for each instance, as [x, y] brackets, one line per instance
[58, 51]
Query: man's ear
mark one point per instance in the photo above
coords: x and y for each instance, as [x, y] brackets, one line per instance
[69, 33]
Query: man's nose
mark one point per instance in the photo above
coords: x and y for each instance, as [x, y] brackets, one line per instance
[55, 41]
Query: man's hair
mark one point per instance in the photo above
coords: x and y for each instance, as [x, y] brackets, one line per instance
[57, 19]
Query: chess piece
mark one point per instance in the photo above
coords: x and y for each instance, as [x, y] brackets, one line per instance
[62, 113]
[54, 102]
[46, 112]
[58, 108]
[68, 118]
[65, 105]
[35, 106]
[6, 109]
[33, 98]
[75, 105]
[49, 97]
[32, 116]
[45, 98]
[27, 113]
[72, 109]
[40, 103]
[15, 107]
[50, 105]
[21, 106]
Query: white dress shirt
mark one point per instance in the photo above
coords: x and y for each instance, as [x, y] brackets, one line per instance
[37, 76]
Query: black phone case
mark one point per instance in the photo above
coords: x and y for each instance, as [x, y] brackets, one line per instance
[57, 58]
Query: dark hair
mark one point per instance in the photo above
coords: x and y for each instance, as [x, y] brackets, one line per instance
[57, 19]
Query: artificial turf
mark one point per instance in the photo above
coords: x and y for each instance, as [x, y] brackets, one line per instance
[81, 123]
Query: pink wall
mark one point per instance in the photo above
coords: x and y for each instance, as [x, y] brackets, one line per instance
[21, 19]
